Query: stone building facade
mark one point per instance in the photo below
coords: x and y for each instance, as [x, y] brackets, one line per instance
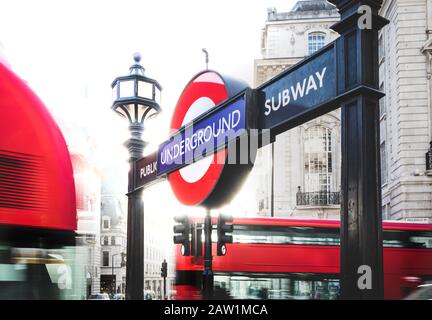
[405, 58]
[306, 172]
[113, 247]
[113, 239]
[405, 112]
[158, 245]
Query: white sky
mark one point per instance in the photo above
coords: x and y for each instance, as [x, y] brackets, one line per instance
[70, 51]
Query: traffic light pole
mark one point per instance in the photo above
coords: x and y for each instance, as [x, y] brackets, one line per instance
[164, 274]
[164, 289]
[113, 281]
[208, 258]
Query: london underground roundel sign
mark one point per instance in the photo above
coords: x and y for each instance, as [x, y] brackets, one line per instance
[207, 182]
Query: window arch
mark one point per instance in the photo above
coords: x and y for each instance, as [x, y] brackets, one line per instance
[316, 40]
[318, 159]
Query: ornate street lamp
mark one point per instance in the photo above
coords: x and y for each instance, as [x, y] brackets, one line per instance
[136, 98]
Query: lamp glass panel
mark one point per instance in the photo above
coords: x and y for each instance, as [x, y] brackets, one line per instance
[131, 110]
[141, 110]
[121, 112]
[126, 88]
[145, 90]
[151, 114]
[157, 96]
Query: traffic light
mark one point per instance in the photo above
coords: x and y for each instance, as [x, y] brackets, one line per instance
[196, 242]
[181, 233]
[164, 269]
[222, 229]
[123, 260]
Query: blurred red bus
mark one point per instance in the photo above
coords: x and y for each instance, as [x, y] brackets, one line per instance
[38, 253]
[274, 258]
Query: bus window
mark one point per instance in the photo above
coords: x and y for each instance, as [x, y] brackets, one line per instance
[259, 234]
[421, 239]
[285, 235]
[407, 239]
[277, 286]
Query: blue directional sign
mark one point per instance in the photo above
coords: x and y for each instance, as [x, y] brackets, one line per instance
[299, 90]
[202, 137]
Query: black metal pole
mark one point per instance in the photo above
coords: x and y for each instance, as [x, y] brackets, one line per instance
[208, 272]
[135, 222]
[112, 273]
[206, 57]
[272, 180]
[164, 288]
[361, 222]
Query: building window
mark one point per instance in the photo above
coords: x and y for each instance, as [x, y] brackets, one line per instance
[383, 163]
[105, 223]
[90, 238]
[105, 241]
[261, 204]
[318, 159]
[105, 259]
[316, 40]
[113, 242]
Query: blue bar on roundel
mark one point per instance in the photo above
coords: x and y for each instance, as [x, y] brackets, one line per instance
[202, 137]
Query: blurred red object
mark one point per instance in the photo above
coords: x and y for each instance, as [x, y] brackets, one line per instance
[36, 177]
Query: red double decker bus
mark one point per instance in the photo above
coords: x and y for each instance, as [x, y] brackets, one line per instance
[38, 253]
[274, 258]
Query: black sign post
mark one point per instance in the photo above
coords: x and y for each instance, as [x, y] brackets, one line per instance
[344, 74]
[361, 220]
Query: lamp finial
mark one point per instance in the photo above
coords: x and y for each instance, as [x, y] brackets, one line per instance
[137, 57]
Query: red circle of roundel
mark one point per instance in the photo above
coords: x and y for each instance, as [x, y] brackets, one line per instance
[206, 85]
